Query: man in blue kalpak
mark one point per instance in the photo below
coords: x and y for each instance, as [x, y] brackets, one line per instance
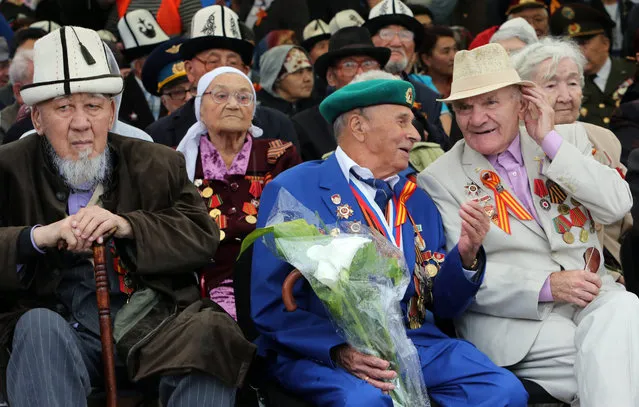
[372, 121]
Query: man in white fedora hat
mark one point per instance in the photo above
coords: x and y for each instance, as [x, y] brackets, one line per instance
[72, 184]
[140, 34]
[216, 41]
[548, 309]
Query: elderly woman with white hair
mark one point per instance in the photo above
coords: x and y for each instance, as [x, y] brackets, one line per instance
[229, 162]
[515, 34]
[557, 66]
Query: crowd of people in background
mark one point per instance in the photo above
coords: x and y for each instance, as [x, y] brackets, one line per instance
[237, 87]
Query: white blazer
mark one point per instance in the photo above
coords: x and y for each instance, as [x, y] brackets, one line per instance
[506, 316]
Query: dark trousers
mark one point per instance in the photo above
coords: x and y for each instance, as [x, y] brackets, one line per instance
[54, 364]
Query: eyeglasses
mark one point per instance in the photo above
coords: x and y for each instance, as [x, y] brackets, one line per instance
[216, 62]
[387, 34]
[351, 67]
[222, 97]
[178, 95]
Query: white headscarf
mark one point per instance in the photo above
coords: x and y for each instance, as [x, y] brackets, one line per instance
[190, 144]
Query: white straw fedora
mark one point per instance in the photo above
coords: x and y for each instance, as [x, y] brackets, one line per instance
[70, 60]
[482, 70]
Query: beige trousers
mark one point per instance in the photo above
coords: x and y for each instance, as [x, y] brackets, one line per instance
[589, 357]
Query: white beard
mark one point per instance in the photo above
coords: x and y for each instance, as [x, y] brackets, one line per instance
[396, 67]
[83, 173]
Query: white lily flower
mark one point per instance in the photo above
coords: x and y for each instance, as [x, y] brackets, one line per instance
[335, 257]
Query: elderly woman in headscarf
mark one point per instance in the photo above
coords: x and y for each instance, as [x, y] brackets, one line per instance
[557, 66]
[230, 162]
[286, 79]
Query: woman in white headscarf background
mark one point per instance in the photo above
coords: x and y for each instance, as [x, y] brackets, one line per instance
[230, 161]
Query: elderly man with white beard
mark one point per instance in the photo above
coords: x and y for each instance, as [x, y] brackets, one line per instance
[73, 184]
[392, 25]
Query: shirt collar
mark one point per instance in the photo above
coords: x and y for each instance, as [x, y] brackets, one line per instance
[514, 149]
[346, 164]
[604, 72]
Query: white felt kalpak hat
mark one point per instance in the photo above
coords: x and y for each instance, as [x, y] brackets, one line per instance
[389, 12]
[343, 19]
[70, 60]
[482, 70]
[314, 32]
[216, 27]
[46, 25]
[140, 33]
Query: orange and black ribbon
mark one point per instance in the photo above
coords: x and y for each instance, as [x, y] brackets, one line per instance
[557, 195]
[503, 201]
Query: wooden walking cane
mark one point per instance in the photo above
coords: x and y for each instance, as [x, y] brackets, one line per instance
[287, 290]
[104, 313]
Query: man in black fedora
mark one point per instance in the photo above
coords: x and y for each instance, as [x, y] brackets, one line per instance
[216, 41]
[350, 52]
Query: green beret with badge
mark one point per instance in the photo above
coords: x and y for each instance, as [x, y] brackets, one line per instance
[367, 93]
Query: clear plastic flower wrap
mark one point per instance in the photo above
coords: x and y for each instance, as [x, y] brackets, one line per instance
[361, 278]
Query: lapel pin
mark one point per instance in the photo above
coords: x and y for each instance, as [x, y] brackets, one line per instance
[336, 199]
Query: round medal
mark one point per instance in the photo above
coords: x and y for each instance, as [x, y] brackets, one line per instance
[583, 236]
[545, 205]
[207, 192]
[222, 235]
[250, 219]
[431, 270]
[575, 202]
[356, 227]
[569, 238]
[214, 213]
[563, 209]
[335, 232]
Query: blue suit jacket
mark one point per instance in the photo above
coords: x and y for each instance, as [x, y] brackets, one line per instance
[308, 332]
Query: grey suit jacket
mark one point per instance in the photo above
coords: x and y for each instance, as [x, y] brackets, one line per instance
[507, 315]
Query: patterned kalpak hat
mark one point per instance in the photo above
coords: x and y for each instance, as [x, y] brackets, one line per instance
[216, 27]
[390, 12]
[140, 33]
[314, 32]
[343, 19]
[367, 93]
[70, 60]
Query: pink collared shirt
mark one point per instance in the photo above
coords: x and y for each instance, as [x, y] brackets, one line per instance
[512, 171]
[213, 165]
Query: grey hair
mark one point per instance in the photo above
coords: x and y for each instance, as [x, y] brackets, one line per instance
[340, 123]
[527, 60]
[516, 28]
[374, 74]
[19, 68]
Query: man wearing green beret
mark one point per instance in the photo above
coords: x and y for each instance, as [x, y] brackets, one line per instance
[372, 121]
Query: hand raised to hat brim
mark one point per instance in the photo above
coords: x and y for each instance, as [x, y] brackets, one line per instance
[539, 115]
[474, 226]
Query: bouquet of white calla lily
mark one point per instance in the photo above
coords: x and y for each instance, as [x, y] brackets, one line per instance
[335, 257]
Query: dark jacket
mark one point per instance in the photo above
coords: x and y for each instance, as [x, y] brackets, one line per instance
[134, 109]
[315, 134]
[174, 237]
[171, 129]
[290, 109]
[597, 106]
[427, 106]
[625, 124]
[235, 192]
